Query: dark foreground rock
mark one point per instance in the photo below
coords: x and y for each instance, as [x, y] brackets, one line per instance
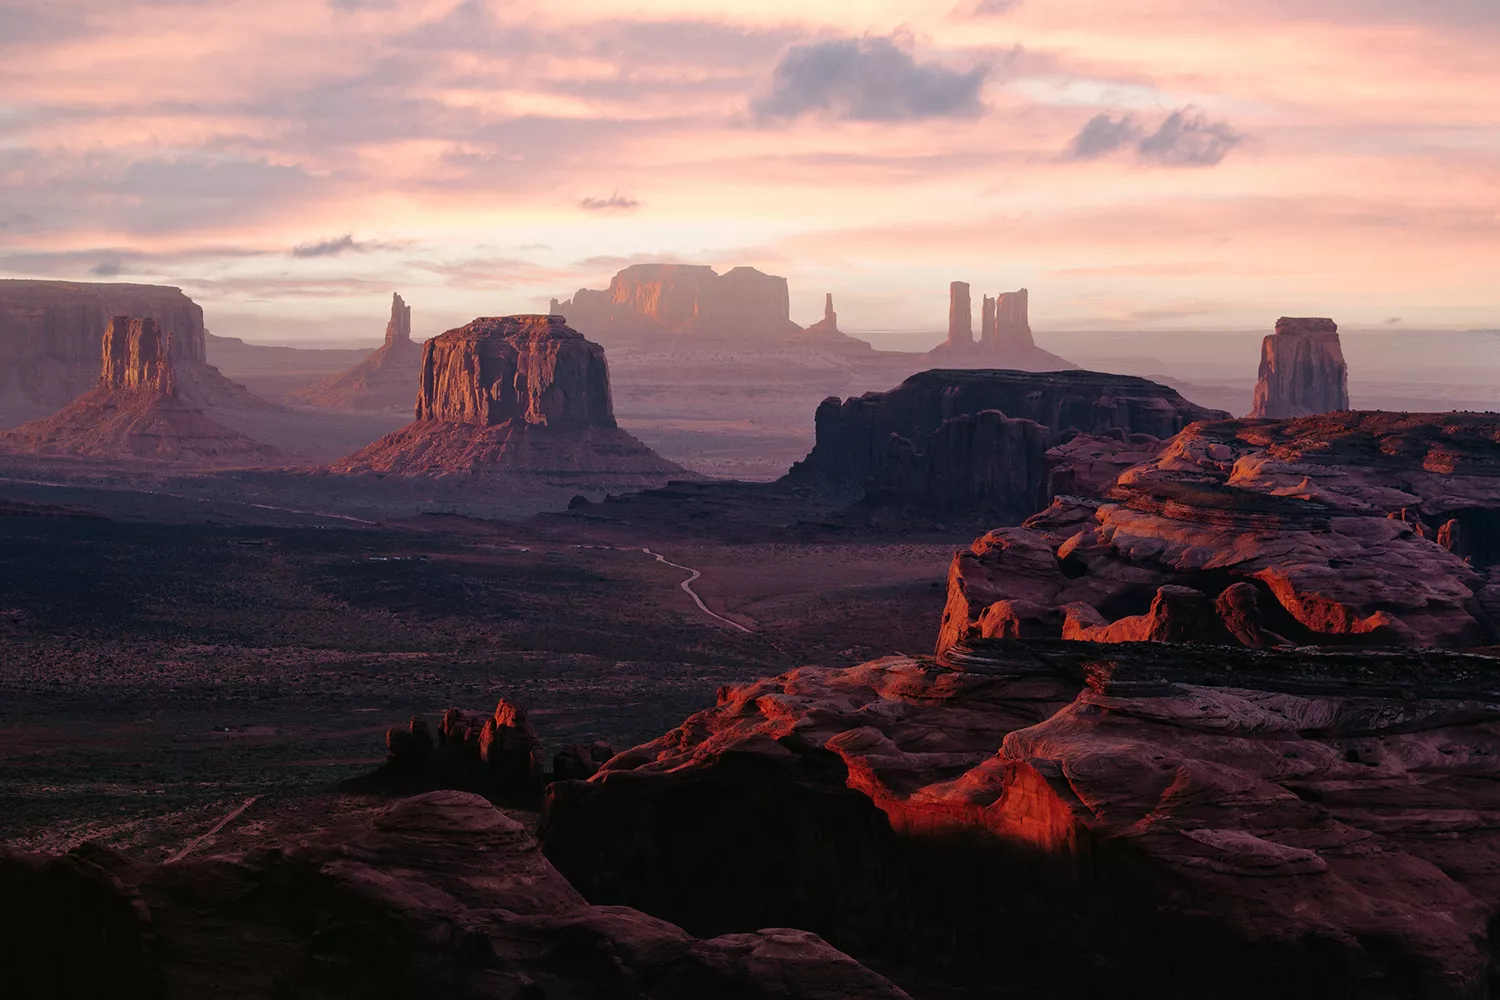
[1080, 820]
[440, 895]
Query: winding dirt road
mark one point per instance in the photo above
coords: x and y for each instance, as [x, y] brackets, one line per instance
[687, 588]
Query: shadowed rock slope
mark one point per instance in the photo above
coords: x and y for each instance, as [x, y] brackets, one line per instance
[519, 394]
[437, 895]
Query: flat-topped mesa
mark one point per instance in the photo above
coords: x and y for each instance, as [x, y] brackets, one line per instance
[511, 395]
[1013, 320]
[960, 315]
[398, 330]
[137, 356]
[1302, 370]
[684, 299]
[532, 369]
[960, 436]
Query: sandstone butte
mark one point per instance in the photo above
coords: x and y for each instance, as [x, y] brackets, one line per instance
[49, 337]
[1350, 527]
[142, 407]
[440, 895]
[1302, 370]
[826, 333]
[689, 304]
[993, 440]
[1005, 339]
[517, 394]
[386, 380]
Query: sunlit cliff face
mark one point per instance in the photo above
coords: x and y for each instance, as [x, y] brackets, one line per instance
[1144, 162]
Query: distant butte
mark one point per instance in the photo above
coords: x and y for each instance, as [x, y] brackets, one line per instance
[1005, 339]
[518, 394]
[1302, 370]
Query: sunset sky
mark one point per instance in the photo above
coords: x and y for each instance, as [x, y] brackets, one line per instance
[1136, 163]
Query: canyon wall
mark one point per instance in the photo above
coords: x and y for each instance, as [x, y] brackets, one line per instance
[647, 300]
[1302, 370]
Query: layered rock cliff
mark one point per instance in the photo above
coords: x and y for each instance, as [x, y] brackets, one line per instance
[974, 437]
[1302, 370]
[385, 380]
[144, 406]
[1347, 528]
[50, 330]
[1076, 819]
[515, 394]
[688, 300]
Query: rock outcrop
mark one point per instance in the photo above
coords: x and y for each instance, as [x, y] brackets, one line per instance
[386, 380]
[1080, 820]
[1366, 528]
[826, 333]
[1005, 339]
[139, 410]
[436, 895]
[1302, 370]
[518, 394]
[981, 439]
[960, 315]
[687, 301]
[49, 337]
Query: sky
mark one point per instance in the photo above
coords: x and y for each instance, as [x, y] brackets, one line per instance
[1138, 164]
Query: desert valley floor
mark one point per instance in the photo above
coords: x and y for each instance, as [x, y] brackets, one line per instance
[159, 674]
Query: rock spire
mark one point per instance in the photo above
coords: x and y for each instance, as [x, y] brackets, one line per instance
[398, 330]
[960, 315]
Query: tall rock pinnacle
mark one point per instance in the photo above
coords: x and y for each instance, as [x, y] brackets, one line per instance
[398, 330]
[829, 316]
[1302, 370]
[1013, 320]
[960, 315]
[987, 321]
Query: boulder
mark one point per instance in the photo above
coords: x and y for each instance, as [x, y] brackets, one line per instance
[1302, 370]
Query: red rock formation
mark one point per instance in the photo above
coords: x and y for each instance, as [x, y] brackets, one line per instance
[951, 456]
[1134, 820]
[1351, 527]
[1013, 323]
[826, 333]
[987, 320]
[688, 300]
[960, 315]
[385, 380]
[49, 337]
[1302, 370]
[437, 895]
[520, 394]
[139, 410]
